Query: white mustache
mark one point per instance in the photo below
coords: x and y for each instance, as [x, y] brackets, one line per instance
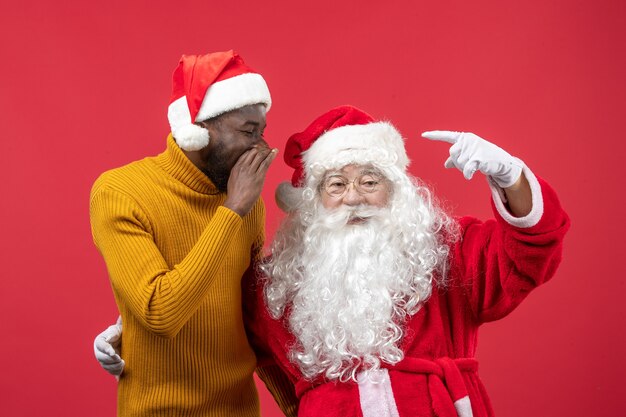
[341, 216]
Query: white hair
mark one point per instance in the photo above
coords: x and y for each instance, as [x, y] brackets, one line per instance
[347, 289]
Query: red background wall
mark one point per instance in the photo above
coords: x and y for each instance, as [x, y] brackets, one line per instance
[84, 87]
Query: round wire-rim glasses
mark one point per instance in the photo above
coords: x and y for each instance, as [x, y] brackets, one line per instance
[336, 185]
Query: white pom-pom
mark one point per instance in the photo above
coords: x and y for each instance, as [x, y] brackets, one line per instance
[288, 197]
[191, 137]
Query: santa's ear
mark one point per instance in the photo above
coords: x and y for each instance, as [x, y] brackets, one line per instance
[288, 198]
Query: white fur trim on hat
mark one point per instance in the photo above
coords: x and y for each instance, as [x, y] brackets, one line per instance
[188, 136]
[234, 93]
[376, 143]
[223, 96]
[288, 197]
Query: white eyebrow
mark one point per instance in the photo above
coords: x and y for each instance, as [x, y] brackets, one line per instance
[334, 174]
[363, 171]
[369, 171]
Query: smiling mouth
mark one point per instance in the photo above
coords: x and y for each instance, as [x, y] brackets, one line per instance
[357, 220]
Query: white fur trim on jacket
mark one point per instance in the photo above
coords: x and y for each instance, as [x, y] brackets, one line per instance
[463, 407]
[376, 394]
[378, 143]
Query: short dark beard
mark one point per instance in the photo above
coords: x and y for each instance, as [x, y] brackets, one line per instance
[215, 168]
[217, 172]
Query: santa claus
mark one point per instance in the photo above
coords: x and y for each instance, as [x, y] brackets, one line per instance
[372, 298]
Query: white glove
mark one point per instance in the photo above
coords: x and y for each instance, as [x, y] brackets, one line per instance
[106, 348]
[470, 153]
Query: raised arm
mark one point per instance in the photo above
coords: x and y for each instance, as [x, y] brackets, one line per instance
[500, 261]
[470, 153]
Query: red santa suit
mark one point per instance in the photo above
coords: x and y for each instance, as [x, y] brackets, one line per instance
[493, 267]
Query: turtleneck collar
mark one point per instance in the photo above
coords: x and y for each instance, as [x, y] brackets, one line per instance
[175, 162]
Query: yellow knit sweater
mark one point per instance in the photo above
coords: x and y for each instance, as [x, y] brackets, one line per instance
[175, 257]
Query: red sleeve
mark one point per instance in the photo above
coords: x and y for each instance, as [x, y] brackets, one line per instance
[499, 264]
[265, 334]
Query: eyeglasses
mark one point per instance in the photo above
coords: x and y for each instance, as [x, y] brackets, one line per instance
[337, 185]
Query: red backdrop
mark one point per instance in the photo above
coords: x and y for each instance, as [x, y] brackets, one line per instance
[84, 87]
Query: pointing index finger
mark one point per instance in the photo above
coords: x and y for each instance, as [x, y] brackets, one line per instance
[442, 135]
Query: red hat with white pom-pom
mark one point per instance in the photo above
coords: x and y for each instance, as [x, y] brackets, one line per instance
[342, 136]
[205, 86]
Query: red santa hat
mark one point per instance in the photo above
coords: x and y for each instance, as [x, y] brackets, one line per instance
[342, 136]
[205, 86]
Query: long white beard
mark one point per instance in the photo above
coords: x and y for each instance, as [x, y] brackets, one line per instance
[344, 313]
[350, 287]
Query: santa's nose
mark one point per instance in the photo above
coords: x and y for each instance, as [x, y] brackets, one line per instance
[352, 197]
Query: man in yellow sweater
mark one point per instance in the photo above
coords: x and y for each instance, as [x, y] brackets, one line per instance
[177, 232]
